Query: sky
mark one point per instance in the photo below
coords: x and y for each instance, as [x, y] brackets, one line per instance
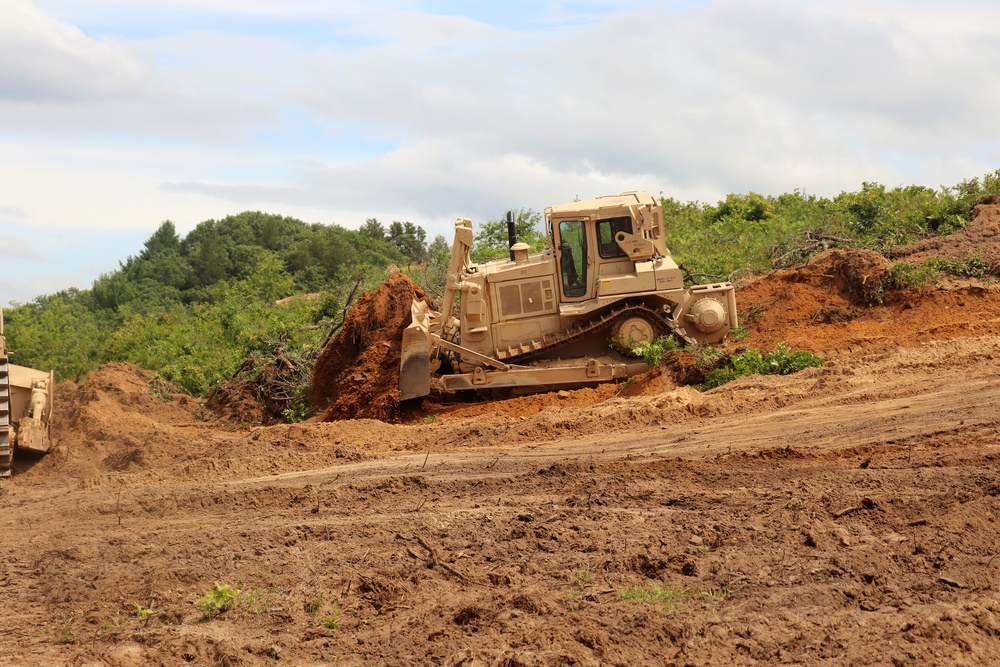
[116, 115]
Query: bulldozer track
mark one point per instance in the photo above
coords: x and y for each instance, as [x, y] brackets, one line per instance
[6, 453]
[524, 352]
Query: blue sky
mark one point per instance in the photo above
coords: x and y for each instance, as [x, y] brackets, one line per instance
[116, 115]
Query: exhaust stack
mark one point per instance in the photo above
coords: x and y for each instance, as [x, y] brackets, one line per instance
[511, 233]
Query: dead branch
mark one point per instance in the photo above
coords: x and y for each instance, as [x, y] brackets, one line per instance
[343, 314]
[812, 243]
[694, 278]
[435, 561]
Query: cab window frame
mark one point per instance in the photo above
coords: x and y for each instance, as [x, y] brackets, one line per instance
[608, 228]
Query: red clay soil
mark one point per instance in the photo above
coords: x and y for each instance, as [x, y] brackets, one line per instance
[357, 374]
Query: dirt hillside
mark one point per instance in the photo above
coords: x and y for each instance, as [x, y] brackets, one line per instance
[844, 515]
[981, 238]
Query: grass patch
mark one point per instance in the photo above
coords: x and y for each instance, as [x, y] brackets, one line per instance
[781, 361]
[332, 622]
[254, 602]
[667, 597]
[927, 272]
[313, 606]
[217, 600]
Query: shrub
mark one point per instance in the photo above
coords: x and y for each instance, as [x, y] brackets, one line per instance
[217, 600]
[781, 361]
[654, 353]
[917, 275]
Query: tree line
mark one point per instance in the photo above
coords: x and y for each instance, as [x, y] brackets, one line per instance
[194, 308]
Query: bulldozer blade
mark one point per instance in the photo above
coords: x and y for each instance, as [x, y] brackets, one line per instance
[414, 364]
[33, 437]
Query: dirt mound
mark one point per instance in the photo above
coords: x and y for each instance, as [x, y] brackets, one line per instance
[119, 419]
[357, 374]
[820, 307]
[235, 401]
[265, 389]
[981, 238]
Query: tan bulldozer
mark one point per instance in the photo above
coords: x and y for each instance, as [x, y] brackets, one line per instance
[25, 408]
[567, 316]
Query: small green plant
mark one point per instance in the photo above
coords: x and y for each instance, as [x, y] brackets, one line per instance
[754, 312]
[739, 333]
[255, 601]
[332, 622]
[666, 596]
[711, 595]
[217, 600]
[976, 267]
[912, 275]
[160, 388]
[654, 353]
[313, 606]
[295, 414]
[142, 613]
[67, 632]
[430, 419]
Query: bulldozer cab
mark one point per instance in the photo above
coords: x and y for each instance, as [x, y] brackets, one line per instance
[603, 237]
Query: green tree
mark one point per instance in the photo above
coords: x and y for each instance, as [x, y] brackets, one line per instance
[490, 240]
[373, 229]
[208, 256]
[163, 240]
[439, 250]
[269, 280]
[61, 332]
[409, 239]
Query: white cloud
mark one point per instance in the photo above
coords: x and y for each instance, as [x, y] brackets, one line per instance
[16, 248]
[44, 60]
[117, 115]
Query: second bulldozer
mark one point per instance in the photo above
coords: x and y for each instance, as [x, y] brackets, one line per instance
[25, 407]
[566, 316]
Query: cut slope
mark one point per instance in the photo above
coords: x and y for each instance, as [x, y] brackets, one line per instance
[981, 238]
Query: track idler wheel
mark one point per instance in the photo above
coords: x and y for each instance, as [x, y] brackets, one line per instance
[634, 330]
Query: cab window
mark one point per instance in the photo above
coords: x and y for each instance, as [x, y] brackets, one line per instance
[606, 230]
[573, 257]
